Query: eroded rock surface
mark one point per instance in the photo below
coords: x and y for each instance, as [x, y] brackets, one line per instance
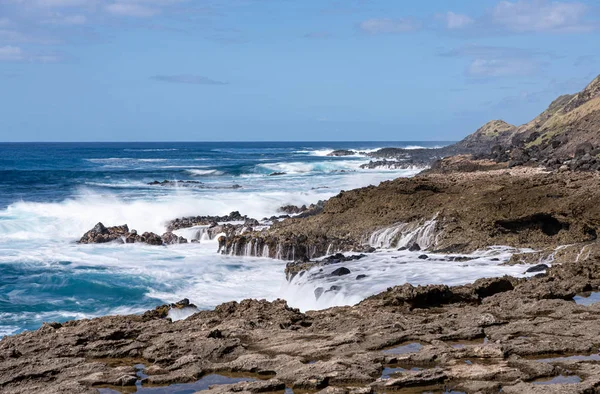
[475, 338]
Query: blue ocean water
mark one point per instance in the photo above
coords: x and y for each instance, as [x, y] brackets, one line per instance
[51, 193]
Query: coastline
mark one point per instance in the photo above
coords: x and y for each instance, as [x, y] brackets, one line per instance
[533, 188]
[487, 323]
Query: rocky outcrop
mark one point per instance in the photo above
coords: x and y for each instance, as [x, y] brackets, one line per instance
[389, 164]
[162, 311]
[341, 153]
[102, 234]
[294, 268]
[565, 136]
[192, 221]
[122, 234]
[303, 211]
[169, 238]
[449, 212]
[493, 335]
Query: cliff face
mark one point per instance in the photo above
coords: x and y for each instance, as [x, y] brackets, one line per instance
[569, 121]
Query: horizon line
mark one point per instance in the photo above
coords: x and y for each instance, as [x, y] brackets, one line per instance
[199, 141]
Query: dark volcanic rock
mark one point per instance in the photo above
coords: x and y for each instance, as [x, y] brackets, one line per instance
[192, 221]
[151, 239]
[537, 268]
[161, 312]
[341, 152]
[101, 234]
[171, 239]
[340, 271]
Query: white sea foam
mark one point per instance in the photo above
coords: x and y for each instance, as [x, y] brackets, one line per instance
[304, 167]
[181, 314]
[389, 268]
[196, 172]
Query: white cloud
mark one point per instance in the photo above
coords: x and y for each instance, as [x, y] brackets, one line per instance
[541, 15]
[389, 26]
[508, 67]
[56, 3]
[131, 9]
[11, 53]
[457, 21]
[67, 20]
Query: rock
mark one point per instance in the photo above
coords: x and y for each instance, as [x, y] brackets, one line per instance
[311, 383]
[102, 234]
[537, 268]
[414, 247]
[361, 276]
[341, 152]
[423, 257]
[151, 239]
[583, 149]
[212, 221]
[319, 292]
[277, 173]
[215, 334]
[341, 272]
[222, 240]
[171, 239]
[161, 312]
[292, 209]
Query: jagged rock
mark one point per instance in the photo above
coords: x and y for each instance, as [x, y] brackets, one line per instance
[341, 272]
[537, 268]
[161, 312]
[341, 152]
[192, 221]
[414, 247]
[169, 238]
[102, 234]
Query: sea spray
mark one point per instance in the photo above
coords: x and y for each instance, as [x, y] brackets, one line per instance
[318, 288]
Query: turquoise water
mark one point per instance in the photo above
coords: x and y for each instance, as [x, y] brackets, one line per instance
[50, 194]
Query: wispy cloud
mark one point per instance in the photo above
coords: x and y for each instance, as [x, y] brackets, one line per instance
[453, 20]
[66, 20]
[508, 67]
[131, 9]
[541, 15]
[493, 62]
[187, 79]
[11, 53]
[389, 26]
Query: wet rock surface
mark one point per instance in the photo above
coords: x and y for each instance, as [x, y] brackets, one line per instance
[505, 333]
[446, 213]
[192, 221]
[121, 234]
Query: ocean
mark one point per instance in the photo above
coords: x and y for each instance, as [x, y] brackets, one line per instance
[52, 193]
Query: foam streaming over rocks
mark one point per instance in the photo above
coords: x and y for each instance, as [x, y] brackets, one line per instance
[405, 234]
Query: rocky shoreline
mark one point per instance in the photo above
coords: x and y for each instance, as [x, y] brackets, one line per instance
[508, 334]
[504, 333]
[533, 187]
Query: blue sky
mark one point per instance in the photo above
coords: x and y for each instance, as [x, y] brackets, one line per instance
[177, 70]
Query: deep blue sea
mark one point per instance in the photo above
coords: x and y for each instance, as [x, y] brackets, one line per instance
[52, 193]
